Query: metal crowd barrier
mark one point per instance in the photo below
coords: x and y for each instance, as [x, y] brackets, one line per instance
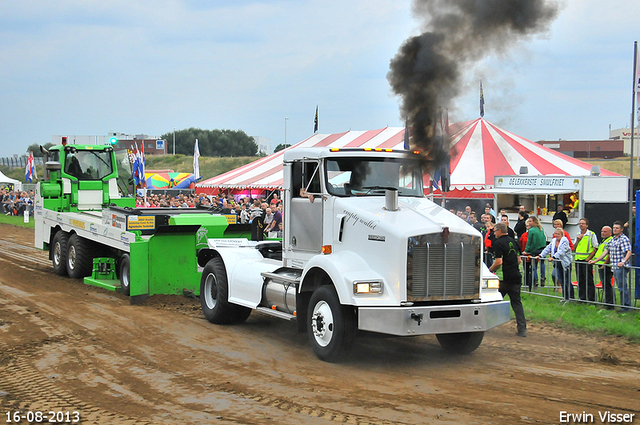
[547, 281]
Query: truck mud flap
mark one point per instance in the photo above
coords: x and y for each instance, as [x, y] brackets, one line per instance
[137, 299]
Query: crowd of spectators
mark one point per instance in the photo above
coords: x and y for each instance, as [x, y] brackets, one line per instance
[263, 213]
[611, 256]
[16, 202]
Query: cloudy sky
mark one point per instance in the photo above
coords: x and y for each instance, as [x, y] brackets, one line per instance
[84, 67]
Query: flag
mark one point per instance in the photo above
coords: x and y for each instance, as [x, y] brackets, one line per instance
[315, 122]
[437, 132]
[142, 178]
[441, 178]
[30, 171]
[436, 179]
[135, 167]
[406, 134]
[445, 177]
[481, 101]
[196, 163]
[637, 85]
[129, 158]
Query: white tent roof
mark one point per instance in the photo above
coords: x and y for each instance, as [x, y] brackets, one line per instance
[17, 184]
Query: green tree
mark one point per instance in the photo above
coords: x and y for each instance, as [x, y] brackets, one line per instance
[35, 147]
[213, 143]
[280, 147]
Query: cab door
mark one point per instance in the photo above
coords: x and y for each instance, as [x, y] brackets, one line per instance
[306, 224]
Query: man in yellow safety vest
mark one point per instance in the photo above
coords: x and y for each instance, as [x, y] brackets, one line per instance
[604, 269]
[584, 249]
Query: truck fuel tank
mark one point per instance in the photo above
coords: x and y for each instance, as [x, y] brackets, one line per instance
[279, 290]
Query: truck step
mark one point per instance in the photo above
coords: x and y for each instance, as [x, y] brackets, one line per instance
[282, 278]
[276, 313]
[108, 284]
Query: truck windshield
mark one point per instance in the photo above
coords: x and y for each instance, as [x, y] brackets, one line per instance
[357, 176]
[88, 165]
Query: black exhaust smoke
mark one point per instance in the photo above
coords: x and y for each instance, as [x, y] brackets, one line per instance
[426, 71]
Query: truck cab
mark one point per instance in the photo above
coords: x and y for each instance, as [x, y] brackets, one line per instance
[362, 248]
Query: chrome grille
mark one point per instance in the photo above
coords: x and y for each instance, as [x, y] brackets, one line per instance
[443, 271]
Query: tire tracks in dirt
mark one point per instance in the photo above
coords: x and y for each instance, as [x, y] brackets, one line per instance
[32, 391]
[37, 391]
[64, 345]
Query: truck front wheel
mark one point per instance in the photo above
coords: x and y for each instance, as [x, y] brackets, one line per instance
[79, 257]
[59, 253]
[331, 326]
[460, 343]
[214, 293]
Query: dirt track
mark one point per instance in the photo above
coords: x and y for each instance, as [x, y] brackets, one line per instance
[65, 346]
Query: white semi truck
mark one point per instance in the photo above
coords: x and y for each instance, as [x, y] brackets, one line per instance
[362, 249]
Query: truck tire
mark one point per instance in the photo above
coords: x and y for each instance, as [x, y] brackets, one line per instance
[79, 257]
[460, 343]
[59, 253]
[214, 292]
[330, 325]
[125, 274]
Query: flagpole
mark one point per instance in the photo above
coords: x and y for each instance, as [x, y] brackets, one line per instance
[636, 75]
[633, 110]
[144, 180]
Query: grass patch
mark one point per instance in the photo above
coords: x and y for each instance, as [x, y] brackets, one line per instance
[580, 316]
[209, 166]
[17, 221]
[617, 165]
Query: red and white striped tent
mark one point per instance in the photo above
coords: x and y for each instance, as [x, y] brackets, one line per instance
[479, 151]
[266, 173]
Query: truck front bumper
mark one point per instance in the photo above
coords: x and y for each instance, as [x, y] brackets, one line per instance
[414, 320]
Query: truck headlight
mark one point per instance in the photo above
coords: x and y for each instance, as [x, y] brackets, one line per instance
[367, 287]
[491, 284]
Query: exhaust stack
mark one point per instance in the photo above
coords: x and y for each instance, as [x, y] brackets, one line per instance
[391, 199]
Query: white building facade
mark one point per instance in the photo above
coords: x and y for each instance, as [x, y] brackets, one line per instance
[625, 135]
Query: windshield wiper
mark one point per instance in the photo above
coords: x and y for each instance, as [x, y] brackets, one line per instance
[374, 188]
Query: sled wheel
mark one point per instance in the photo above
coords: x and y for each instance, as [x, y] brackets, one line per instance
[79, 257]
[59, 253]
[125, 274]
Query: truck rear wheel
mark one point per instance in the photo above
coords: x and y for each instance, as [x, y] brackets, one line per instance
[460, 343]
[125, 274]
[331, 326]
[59, 253]
[79, 257]
[214, 293]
